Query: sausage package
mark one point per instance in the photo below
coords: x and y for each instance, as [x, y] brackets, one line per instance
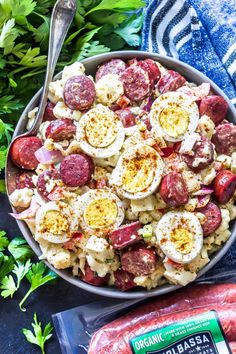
[199, 318]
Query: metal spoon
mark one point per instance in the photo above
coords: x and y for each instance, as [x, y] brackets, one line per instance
[62, 16]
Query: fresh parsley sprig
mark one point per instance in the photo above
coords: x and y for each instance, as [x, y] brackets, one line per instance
[39, 335]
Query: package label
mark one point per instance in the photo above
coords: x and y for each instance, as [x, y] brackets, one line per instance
[201, 334]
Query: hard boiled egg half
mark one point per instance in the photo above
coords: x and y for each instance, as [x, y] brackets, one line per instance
[100, 132]
[179, 235]
[174, 116]
[55, 222]
[99, 211]
[138, 172]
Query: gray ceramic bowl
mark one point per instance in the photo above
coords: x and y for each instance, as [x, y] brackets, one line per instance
[91, 64]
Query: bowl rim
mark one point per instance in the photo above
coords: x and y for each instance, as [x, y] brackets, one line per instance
[113, 292]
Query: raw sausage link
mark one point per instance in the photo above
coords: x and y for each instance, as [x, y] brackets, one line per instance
[76, 170]
[127, 118]
[171, 81]
[22, 152]
[43, 179]
[136, 83]
[173, 190]
[224, 186]
[140, 260]
[90, 277]
[184, 299]
[203, 155]
[61, 129]
[48, 113]
[114, 66]
[125, 235]
[124, 280]
[224, 138]
[213, 218]
[24, 180]
[79, 92]
[214, 107]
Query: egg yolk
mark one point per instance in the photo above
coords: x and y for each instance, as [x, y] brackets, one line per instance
[182, 240]
[100, 213]
[101, 128]
[174, 120]
[138, 174]
[54, 223]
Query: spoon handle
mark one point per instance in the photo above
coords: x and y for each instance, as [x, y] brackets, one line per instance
[62, 16]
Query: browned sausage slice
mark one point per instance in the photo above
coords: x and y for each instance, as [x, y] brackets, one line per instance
[201, 156]
[61, 129]
[125, 235]
[91, 277]
[124, 280]
[139, 261]
[152, 69]
[79, 92]
[76, 170]
[224, 186]
[127, 118]
[173, 190]
[24, 180]
[213, 218]
[214, 107]
[114, 66]
[48, 113]
[22, 152]
[224, 138]
[44, 178]
[136, 83]
[170, 81]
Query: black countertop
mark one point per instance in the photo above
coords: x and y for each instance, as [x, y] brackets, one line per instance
[45, 301]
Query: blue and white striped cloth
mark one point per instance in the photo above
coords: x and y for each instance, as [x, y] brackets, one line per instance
[201, 33]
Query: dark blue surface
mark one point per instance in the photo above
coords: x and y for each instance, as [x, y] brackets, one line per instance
[45, 301]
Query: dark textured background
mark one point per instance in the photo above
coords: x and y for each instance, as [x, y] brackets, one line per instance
[45, 301]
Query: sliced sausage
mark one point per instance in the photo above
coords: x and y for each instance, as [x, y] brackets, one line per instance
[139, 261]
[79, 92]
[76, 170]
[22, 152]
[61, 129]
[124, 280]
[48, 113]
[113, 66]
[201, 156]
[92, 278]
[136, 83]
[170, 81]
[213, 218]
[127, 118]
[214, 107]
[173, 190]
[184, 299]
[152, 69]
[24, 180]
[224, 186]
[125, 235]
[44, 179]
[224, 138]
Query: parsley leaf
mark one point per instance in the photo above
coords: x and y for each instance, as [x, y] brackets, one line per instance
[3, 240]
[19, 249]
[32, 59]
[125, 5]
[8, 36]
[38, 275]
[20, 270]
[6, 265]
[8, 285]
[2, 185]
[129, 30]
[38, 336]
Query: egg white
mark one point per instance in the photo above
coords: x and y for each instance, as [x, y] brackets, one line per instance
[100, 152]
[84, 200]
[117, 173]
[171, 221]
[66, 211]
[183, 101]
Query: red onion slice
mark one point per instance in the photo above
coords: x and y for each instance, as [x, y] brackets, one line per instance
[45, 156]
[204, 191]
[203, 200]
